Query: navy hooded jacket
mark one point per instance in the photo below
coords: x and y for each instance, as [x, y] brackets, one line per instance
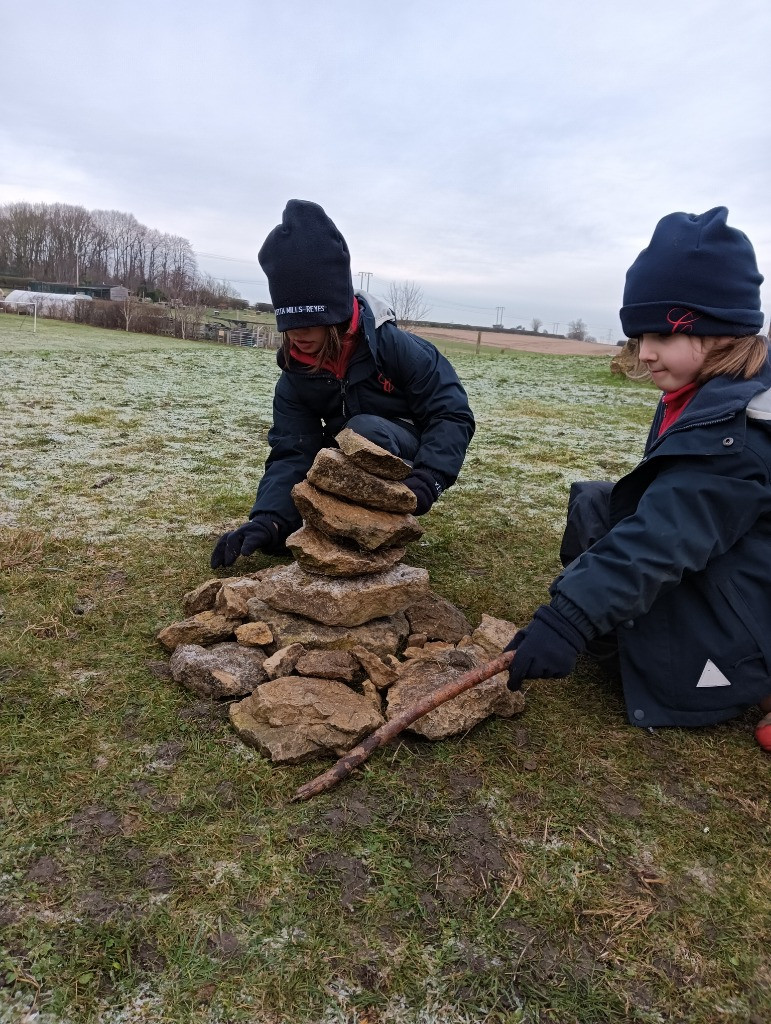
[683, 574]
[392, 374]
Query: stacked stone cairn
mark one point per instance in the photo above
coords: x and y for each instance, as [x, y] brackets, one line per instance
[316, 654]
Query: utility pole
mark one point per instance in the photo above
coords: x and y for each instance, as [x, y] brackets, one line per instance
[77, 268]
[362, 275]
[499, 316]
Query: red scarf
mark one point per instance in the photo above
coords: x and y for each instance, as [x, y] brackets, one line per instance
[674, 403]
[347, 347]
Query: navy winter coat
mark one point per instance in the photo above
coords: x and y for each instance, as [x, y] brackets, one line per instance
[392, 374]
[683, 574]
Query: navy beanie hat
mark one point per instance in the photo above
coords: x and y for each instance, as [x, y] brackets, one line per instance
[697, 276]
[308, 267]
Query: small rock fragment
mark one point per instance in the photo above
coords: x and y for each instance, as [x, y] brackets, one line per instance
[254, 634]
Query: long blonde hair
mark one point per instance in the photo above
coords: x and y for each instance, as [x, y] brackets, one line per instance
[741, 357]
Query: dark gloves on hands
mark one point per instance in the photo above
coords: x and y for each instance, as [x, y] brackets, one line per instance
[425, 487]
[547, 648]
[257, 533]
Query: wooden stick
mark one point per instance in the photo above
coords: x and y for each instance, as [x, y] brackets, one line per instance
[343, 768]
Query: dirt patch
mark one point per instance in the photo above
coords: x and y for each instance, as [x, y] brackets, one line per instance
[617, 802]
[521, 342]
[94, 823]
[349, 873]
[158, 877]
[46, 871]
[159, 803]
[206, 715]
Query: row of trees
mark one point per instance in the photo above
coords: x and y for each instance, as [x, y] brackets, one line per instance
[60, 242]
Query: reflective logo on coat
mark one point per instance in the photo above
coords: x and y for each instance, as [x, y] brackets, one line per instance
[712, 676]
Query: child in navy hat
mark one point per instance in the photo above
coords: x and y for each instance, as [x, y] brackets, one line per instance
[344, 363]
[666, 572]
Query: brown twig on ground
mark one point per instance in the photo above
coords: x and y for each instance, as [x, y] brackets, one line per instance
[343, 768]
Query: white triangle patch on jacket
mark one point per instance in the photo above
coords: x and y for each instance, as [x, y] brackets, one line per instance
[712, 676]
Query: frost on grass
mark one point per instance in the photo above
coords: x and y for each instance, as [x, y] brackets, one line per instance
[109, 436]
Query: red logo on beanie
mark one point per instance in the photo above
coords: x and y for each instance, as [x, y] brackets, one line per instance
[683, 321]
[387, 385]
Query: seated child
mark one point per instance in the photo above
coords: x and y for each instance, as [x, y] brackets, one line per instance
[667, 571]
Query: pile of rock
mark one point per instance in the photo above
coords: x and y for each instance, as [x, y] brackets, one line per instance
[325, 649]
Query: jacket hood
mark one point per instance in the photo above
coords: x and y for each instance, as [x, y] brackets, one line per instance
[378, 308]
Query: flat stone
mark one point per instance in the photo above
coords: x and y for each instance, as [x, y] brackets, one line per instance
[493, 634]
[378, 672]
[202, 598]
[367, 527]
[422, 676]
[294, 718]
[225, 670]
[233, 595]
[254, 634]
[383, 636]
[319, 554]
[332, 471]
[283, 662]
[438, 619]
[339, 665]
[343, 602]
[204, 628]
[371, 456]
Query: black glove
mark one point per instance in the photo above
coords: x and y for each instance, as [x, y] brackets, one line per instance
[257, 533]
[547, 648]
[425, 487]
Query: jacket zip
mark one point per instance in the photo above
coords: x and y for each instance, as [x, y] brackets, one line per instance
[343, 389]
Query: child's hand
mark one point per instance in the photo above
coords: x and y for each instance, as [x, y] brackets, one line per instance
[425, 488]
[547, 648]
[245, 541]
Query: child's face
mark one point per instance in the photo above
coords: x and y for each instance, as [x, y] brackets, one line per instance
[308, 340]
[674, 360]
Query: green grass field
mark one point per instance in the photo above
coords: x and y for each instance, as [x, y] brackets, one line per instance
[557, 868]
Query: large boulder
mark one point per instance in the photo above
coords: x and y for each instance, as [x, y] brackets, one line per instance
[422, 676]
[367, 527]
[382, 636]
[225, 670]
[294, 718]
[342, 602]
[437, 619]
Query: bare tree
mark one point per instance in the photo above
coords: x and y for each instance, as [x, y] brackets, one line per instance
[128, 308]
[577, 329]
[536, 324]
[408, 303]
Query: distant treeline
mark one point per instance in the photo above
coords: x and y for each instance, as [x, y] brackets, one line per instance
[59, 242]
[498, 330]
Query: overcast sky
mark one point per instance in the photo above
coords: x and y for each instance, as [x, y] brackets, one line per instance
[513, 154]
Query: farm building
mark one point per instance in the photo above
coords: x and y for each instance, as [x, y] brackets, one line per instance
[21, 301]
